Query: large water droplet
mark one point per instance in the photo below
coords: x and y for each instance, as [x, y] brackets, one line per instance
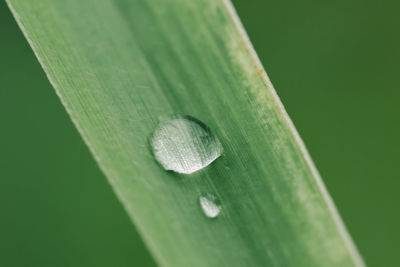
[210, 205]
[185, 145]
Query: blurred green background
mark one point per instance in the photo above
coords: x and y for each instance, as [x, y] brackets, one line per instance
[335, 65]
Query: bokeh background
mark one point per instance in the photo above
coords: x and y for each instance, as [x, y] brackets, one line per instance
[335, 65]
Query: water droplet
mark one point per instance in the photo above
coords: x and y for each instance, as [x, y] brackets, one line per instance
[185, 145]
[210, 205]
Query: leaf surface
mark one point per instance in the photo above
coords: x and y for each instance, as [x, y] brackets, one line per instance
[120, 67]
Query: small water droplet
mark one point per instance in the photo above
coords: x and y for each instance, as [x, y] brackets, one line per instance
[210, 205]
[185, 145]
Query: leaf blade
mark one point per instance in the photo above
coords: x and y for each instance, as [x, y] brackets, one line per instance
[119, 65]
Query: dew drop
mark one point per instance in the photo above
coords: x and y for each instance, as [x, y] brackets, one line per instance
[210, 205]
[184, 145]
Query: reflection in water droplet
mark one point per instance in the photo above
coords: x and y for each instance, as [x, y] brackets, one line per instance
[185, 145]
[210, 205]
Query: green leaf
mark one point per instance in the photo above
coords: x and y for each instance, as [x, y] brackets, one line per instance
[120, 67]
